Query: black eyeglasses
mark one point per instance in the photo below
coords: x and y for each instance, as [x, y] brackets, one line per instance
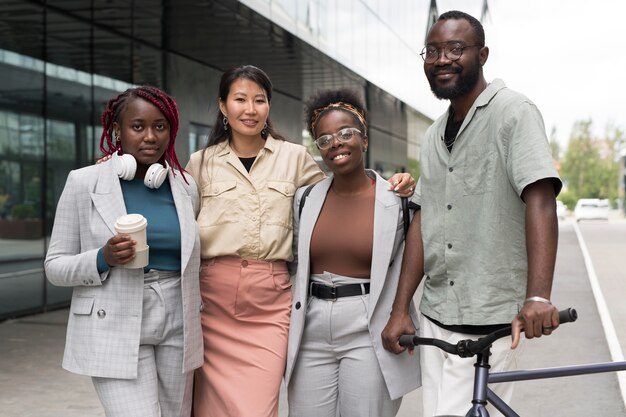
[452, 51]
[344, 135]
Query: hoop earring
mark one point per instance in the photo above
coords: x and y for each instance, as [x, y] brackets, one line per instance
[264, 131]
[225, 123]
[118, 143]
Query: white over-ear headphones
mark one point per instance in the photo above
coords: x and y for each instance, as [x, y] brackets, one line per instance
[125, 165]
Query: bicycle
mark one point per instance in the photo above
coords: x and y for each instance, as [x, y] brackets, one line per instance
[481, 347]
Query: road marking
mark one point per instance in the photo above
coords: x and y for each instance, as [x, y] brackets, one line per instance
[605, 317]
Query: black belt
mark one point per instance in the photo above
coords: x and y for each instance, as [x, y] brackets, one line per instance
[326, 292]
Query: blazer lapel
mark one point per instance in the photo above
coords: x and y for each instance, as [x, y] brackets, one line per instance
[314, 202]
[386, 212]
[107, 197]
[186, 218]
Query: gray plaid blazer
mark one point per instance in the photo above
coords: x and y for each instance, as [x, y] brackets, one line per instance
[105, 315]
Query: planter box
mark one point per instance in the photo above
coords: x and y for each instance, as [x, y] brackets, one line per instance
[21, 229]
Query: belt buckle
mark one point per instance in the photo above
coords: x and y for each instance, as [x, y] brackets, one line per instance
[333, 293]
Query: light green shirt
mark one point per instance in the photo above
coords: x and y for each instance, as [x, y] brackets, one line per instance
[473, 224]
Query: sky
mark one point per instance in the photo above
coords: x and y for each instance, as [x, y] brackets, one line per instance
[567, 56]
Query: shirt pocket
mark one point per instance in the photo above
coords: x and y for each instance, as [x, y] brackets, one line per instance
[279, 203]
[480, 165]
[220, 203]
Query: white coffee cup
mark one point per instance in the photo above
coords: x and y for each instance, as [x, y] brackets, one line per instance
[135, 226]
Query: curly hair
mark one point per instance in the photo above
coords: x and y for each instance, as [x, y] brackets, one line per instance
[317, 105]
[116, 106]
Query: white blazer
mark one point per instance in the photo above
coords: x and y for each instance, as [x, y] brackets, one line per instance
[105, 315]
[401, 372]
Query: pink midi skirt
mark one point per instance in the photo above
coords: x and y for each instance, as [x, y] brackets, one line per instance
[245, 324]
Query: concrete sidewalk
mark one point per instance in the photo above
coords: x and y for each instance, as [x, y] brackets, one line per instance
[33, 384]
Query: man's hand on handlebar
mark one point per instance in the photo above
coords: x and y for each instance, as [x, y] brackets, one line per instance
[398, 324]
[536, 319]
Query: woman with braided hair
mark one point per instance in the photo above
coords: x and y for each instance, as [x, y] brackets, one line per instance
[135, 330]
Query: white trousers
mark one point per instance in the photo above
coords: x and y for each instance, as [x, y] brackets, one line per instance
[448, 380]
[161, 389]
[337, 372]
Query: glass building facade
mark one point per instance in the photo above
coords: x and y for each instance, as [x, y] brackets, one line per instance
[62, 60]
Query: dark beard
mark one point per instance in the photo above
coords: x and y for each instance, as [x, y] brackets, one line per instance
[463, 85]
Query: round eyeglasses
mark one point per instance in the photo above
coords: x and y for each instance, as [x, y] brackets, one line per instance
[452, 51]
[344, 135]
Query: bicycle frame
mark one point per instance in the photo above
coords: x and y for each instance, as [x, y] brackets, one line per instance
[482, 395]
[482, 377]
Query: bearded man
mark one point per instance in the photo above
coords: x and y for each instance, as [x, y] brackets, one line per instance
[485, 238]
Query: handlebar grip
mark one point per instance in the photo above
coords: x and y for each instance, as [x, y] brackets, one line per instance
[407, 340]
[472, 347]
[568, 316]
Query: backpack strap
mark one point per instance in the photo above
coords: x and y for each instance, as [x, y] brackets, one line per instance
[303, 198]
[405, 214]
[407, 206]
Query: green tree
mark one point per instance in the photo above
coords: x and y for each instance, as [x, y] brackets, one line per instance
[414, 168]
[590, 166]
[555, 148]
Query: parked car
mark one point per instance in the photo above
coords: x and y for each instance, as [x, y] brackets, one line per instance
[591, 209]
[561, 210]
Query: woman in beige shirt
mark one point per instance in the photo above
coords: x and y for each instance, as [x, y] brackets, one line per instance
[247, 177]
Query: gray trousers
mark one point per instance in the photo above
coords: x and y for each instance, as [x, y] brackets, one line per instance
[160, 389]
[337, 372]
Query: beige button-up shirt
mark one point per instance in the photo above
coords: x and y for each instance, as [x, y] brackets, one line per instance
[473, 224]
[250, 214]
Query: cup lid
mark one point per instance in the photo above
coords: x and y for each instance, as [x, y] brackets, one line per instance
[130, 223]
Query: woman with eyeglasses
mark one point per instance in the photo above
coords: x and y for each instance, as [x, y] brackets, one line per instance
[349, 241]
[247, 177]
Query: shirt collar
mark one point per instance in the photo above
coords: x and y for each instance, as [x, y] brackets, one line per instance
[492, 89]
[482, 100]
[225, 149]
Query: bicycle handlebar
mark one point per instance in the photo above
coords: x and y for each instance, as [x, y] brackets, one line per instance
[468, 348]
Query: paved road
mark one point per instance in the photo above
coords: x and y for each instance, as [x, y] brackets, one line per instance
[580, 342]
[33, 384]
[606, 242]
